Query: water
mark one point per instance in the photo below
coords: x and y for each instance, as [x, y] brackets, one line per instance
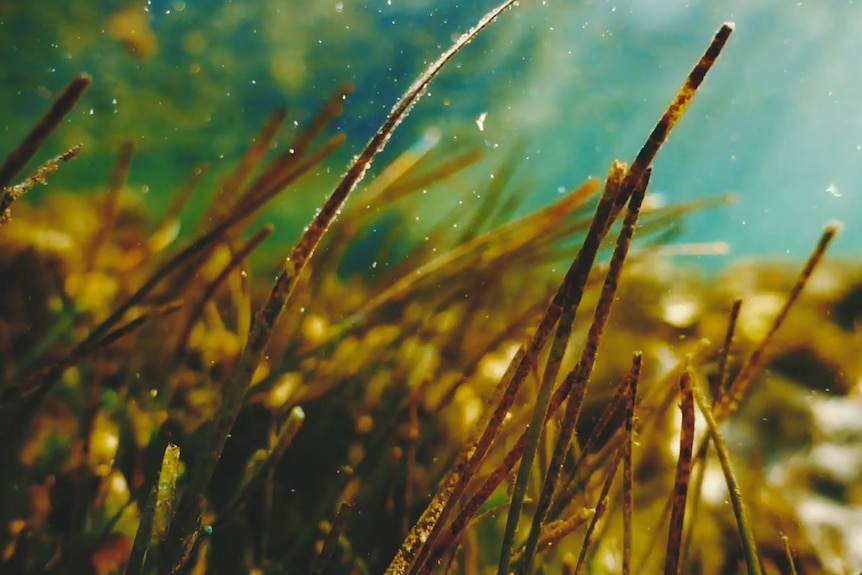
[577, 83]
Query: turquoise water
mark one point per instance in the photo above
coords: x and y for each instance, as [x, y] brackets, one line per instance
[777, 122]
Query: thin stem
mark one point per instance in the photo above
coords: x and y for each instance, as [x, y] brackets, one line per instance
[745, 379]
[25, 151]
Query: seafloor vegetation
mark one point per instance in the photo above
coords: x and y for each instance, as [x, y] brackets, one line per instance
[541, 395]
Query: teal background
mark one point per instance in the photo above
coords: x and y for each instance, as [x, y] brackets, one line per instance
[777, 122]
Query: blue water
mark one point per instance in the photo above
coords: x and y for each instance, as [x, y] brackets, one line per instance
[777, 122]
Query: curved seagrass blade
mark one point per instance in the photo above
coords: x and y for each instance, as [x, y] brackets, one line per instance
[188, 515]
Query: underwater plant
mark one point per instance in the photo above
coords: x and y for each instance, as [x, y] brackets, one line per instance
[447, 406]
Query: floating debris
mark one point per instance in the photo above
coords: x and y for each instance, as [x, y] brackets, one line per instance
[131, 26]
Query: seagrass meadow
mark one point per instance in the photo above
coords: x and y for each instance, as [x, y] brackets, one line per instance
[484, 388]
